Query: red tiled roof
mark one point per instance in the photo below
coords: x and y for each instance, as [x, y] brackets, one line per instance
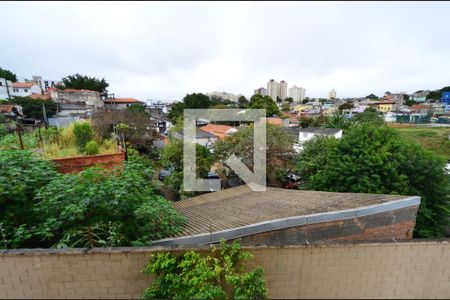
[274, 121]
[40, 97]
[420, 106]
[216, 129]
[23, 85]
[123, 100]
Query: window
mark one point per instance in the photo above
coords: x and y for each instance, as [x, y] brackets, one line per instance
[25, 90]
[1, 83]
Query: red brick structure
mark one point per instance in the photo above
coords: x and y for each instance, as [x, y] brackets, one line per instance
[79, 163]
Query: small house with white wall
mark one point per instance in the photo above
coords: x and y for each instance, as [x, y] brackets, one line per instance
[301, 135]
[24, 89]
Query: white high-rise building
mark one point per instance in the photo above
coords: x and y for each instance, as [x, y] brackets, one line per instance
[332, 94]
[283, 89]
[273, 89]
[297, 93]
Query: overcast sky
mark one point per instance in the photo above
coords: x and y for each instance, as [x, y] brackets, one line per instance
[164, 50]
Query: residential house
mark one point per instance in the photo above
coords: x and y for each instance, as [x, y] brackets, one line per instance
[24, 89]
[383, 106]
[45, 84]
[73, 102]
[11, 111]
[445, 99]
[421, 108]
[120, 103]
[292, 217]
[398, 98]
[420, 96]
[217, 130]
[41, 97]
[203, 138]
[308, 133]
[6, 89]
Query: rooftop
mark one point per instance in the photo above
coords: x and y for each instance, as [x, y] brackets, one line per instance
[320, 130]
[241, 211]
[23, 85]
[40, 97]
[123, 100]
[216, 129]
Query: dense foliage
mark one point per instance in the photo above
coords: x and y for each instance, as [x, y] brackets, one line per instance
[264, 102]
[8, 75]
[92, 148]
[82, 82]
[377, 160]
[41, 208]
[100, 208]
[221, 275]
[172, 155]
[22, 174]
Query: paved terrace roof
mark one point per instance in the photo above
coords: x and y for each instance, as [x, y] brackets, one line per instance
[240, 211]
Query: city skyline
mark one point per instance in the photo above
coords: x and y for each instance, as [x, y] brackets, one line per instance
[164, 51]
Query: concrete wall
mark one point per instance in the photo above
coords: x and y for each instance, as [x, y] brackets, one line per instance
[419, 269]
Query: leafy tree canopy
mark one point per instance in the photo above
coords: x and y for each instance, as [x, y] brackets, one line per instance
[83, 82]
[243, 102]
[33, 108]
[264, 102]
[8, 75]
[377, 160]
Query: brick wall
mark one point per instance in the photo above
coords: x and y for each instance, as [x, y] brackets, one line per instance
[392, 225]
[417, 269]
[77, 164]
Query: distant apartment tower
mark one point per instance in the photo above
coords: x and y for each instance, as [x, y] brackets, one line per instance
[261, 91]
[283, 89]
[297, 93]
[273, 89]
[332, 94]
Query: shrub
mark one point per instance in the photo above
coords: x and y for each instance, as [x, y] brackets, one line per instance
[83, 134]
[21, 176]
[92, 148]
[191, 276]
[99, 207]
[372, 159]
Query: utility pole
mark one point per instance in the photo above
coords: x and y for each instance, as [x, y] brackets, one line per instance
[20, 134]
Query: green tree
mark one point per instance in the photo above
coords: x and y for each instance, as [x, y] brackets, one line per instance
[372, 96]
[137, 107]
[8, 75]
[264, 102]
[21, 176]
[221, 275]
[173, 155]
[285, 107]
[410, 102]
[279, 146]
[176, 112]
[243, 102]
[82, 82]
[377, 160]
[196, 100]
[289, 99]
[100, 207]
[337, 120]
[83, 134]
[370, 116]
[346, 105]
[33, 108]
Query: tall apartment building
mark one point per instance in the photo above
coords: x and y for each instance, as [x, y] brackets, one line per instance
[283, 89]
[273, 89]
[260, 91]
[332, 94]
[297, 93]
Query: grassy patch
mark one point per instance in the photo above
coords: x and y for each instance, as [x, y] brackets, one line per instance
[432, 138]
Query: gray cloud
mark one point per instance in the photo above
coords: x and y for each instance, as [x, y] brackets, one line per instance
[165, 50]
